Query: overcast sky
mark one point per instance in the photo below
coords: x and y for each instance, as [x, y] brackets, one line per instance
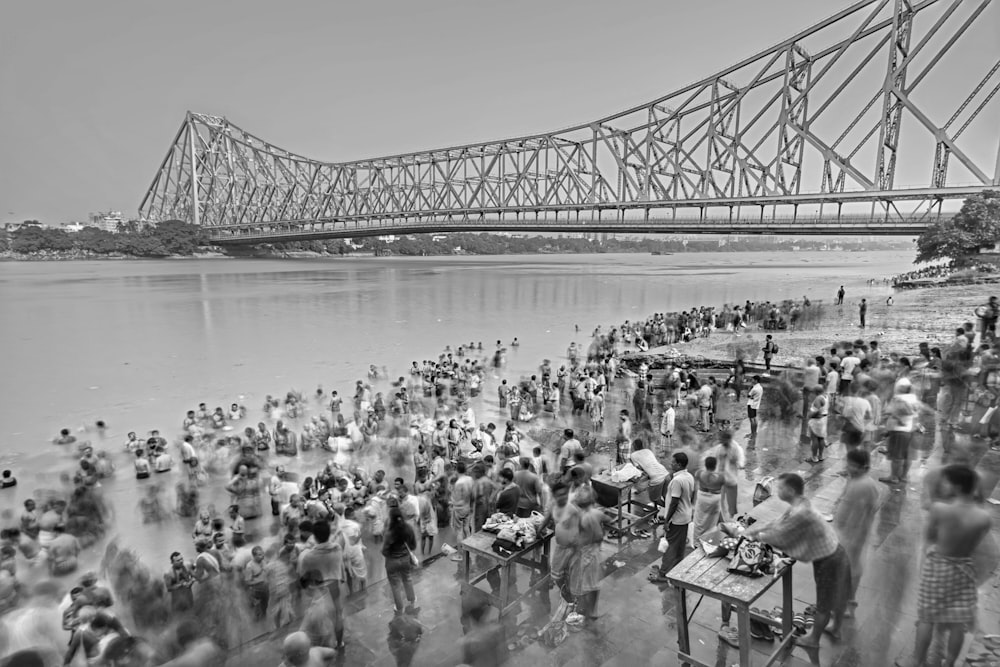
[91, 93]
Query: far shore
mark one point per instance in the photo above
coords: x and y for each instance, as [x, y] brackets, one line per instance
[931, 314]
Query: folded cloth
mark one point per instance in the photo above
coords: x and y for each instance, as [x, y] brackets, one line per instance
[625, 473]
[947, 590]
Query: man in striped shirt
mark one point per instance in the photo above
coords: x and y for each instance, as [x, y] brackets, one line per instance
[802, 533]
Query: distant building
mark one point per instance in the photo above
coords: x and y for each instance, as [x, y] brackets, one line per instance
[109, 221]
[14, 226]
[387, 239]
[73, 227]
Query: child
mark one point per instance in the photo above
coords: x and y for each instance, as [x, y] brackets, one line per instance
[538, 462]
[142, 466]
[7, 481]
[428, 519]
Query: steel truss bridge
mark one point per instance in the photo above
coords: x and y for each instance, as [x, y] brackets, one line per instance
[813, 135]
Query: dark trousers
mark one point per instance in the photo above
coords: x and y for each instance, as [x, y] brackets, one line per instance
[259, 595]
[676, 543]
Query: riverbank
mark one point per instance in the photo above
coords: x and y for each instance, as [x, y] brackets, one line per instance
[930, 315]
[270, 252]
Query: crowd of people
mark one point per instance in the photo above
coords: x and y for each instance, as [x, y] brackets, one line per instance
[410, 462]
[939, 271]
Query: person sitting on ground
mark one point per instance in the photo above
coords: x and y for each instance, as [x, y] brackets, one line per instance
[7, 481]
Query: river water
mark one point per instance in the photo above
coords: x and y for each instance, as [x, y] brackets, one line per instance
[137, 343]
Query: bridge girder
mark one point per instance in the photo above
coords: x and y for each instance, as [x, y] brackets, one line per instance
[816, 120]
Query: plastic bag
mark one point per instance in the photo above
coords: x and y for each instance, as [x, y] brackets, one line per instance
[762, 491]
[663, 545]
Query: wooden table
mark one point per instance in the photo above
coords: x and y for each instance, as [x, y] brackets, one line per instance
[710, 577]
[481, 544]
[621, 514]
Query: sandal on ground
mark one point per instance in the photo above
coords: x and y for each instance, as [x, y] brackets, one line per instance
[730, 636]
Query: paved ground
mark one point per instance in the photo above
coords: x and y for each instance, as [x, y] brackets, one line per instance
[637, 624]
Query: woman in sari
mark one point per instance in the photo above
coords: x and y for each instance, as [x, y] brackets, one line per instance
[585, 570]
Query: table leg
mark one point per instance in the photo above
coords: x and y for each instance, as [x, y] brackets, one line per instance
[743, 616]
[466, 564]
[504, 588]
[619, 526]
[786, 602]
[683, 640]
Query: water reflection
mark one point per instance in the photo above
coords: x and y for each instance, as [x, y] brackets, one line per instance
[185, 326]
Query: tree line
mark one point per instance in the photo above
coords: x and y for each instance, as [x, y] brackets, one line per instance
[170, 237]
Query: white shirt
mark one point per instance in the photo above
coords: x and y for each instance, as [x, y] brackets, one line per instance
[904, 408]
[669, 421]
[754, 395]
[832, 382]
[705, 396]
[847, 366]
[646, 460]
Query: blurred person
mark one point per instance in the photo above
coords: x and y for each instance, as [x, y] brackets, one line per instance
[730, 459]
[585, 569]
[564, 517]
[708, 500]
[327, 557]
[318, 617]
[818, 416]
[196, 650]
[463, 496]
[255, 578]
[901, 413]
[298, 651]
[36, 626]
[398, 548]
[483, 644]
[531, 487]
[280, 574]
[855, 514]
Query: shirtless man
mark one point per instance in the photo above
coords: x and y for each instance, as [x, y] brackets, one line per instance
[948, 596]
[564, 517]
